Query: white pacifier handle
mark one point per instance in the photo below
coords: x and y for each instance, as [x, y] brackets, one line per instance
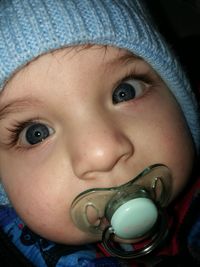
[134, 218]
[160, 232]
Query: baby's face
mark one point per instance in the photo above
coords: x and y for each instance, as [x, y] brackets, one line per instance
[83, 118]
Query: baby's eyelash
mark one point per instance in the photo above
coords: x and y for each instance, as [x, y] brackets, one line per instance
[16, 129]
[147, 78]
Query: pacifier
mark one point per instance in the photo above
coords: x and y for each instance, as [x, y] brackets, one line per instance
[130, 213]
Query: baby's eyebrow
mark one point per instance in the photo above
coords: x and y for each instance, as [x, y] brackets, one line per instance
[18, 105]
[124, 59]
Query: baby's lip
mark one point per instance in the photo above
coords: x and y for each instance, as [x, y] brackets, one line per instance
[98, 222]
[103, 223]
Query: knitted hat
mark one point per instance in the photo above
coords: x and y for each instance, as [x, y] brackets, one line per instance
[29, 28]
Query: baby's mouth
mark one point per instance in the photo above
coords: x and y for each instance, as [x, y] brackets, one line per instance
[127, 213]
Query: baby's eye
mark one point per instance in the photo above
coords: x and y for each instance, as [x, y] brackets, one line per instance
[127, 90]
[35, 133]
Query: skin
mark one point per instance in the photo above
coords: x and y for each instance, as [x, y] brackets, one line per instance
[93, 142]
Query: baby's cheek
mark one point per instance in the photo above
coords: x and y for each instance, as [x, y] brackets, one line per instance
[42, 213]
[53, 223]
[171, 143]
[180, 153]
[41, 197]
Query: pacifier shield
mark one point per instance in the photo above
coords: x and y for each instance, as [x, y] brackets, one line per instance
[130, 210]
[134, 218]
[133, 212]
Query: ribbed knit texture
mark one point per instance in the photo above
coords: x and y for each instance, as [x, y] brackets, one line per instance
[29, 28]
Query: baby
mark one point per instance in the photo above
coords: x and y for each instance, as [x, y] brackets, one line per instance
[92, 102]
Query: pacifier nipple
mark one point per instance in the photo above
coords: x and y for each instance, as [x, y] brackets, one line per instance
[132, 211]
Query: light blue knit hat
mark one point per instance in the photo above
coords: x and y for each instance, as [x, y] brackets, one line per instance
[29, 28]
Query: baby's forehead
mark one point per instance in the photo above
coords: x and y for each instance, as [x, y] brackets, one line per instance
[107, 56]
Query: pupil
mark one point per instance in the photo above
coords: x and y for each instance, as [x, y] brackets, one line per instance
[36, 133]
[122, 94]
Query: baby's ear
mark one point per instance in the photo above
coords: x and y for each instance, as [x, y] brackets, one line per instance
[3, 196]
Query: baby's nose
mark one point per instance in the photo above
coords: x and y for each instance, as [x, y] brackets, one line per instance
[98, 147]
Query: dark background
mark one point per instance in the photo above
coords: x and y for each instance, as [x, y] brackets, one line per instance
[179, 22]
